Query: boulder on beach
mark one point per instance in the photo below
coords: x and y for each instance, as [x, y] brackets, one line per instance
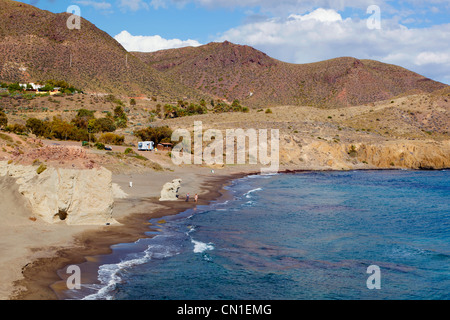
[169, 191]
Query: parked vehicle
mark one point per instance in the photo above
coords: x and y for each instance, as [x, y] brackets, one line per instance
[146, 146]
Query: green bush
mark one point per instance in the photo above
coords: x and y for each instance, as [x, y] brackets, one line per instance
[100, 146]
[352, 152]
[37, 127]
[104, 125]
[157, 134]
[41, 169]
[3, 119]
[111, 138]
[16, 128]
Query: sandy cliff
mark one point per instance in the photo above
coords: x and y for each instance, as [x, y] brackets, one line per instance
[77, 197]
[407, 154]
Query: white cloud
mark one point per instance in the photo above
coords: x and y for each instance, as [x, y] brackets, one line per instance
[97, 5]
[133, 5]
[151, 43]
[428, 57]
[281, 7]
[322, 15]
[156, 4]
[322, 34]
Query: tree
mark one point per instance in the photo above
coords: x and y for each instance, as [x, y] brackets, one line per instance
[62, 130]
[15, 87]
[120, 117]
[82, 118]
[157, 134]
[47, 87]
[3, 120]
[37, 127]
[104, 125]
[132, 102]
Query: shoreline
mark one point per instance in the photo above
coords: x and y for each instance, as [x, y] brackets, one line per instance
[43, 279]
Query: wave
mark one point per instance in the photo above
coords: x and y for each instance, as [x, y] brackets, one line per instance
[247, 195]
[109, 275]
[200, 247]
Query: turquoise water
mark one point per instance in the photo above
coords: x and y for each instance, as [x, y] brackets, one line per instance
[296, 236]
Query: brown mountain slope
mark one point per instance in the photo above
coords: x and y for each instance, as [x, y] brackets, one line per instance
[240, 72]
[36, 45]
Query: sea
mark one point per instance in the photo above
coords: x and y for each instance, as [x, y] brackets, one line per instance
[293, 236]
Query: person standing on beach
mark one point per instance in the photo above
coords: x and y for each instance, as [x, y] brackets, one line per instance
[187, 197]
[196, 198]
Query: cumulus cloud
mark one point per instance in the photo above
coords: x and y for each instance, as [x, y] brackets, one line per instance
[133, 5]
[426, 58]
[151, 43]
[320, 14]
[323, 34]
[280, 5]
[100, 5]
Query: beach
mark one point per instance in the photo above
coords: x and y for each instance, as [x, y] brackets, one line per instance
[34, 251]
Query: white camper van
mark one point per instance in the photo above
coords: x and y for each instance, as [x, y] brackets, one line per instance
[146, 146]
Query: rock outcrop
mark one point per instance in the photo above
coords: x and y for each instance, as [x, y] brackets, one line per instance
[77, 197]
[169, 191]
[327, 155]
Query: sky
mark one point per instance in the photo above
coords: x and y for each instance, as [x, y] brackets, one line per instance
[414, 34]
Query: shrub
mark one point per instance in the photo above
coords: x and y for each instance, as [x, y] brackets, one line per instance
[111, 138]
[268, 111]
[82, 118]
[120, 117]
[157, 134]
[6, 137]
[41, 169]
[104, 125]
[352, 152]
[100, 146]
[3, 119]
[37, 127]
[16, 128]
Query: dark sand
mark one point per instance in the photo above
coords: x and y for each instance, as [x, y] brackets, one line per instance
[42, 280]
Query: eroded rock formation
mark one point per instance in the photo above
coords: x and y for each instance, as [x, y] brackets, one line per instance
[77, 197]
[169, 191]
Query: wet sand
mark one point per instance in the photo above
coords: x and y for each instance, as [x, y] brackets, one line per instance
[43, 278]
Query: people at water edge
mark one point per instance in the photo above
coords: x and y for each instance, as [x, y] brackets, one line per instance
[187, 197]
[196, 198]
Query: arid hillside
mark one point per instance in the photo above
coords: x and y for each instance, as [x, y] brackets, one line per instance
[36, 45]
[231, 71]
[406, 132]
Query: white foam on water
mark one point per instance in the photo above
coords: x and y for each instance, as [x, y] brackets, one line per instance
[247, 195]
[200, 247]
[109, 274]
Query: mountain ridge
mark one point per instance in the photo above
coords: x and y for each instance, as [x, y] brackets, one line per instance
[216, 68]
[36, 45]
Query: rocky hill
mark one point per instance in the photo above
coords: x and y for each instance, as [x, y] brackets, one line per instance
[36, 45]
[233, 71]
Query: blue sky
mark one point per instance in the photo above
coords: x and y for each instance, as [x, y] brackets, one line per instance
[414, 34]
